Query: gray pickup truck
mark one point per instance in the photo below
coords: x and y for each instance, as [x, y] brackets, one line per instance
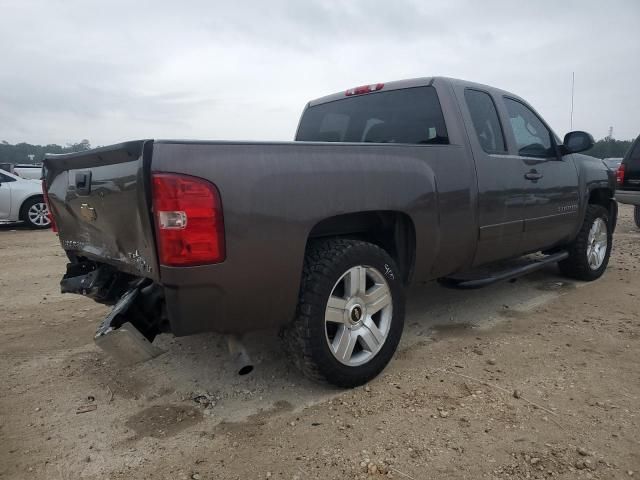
[384, 185]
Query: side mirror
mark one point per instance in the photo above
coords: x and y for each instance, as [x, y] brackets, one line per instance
[575, 142]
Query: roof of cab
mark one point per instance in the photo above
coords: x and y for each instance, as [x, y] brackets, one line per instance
[415, 82]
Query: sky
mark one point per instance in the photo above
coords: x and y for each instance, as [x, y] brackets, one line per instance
[111, 71]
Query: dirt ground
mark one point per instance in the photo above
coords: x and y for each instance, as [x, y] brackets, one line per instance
[537, 378]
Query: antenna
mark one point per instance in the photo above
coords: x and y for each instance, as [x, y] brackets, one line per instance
[573, 83]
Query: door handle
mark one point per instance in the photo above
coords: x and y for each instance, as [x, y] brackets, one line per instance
[533, 175]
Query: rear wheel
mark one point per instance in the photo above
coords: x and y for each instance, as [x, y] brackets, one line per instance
[636, 215]
[35, 213]
[350, 313]
[589, 252]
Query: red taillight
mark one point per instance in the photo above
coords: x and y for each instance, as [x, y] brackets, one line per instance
[364, 89]
[620, 174]
[54, 227]
[188, 216]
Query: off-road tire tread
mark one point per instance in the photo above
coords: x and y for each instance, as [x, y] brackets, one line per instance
[320, 259]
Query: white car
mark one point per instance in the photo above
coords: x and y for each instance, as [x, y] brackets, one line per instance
[28, 171]
[21, 200]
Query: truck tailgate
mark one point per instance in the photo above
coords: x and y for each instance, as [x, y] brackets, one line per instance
[99, 201]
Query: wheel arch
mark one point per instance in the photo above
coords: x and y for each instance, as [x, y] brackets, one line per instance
[605, 198]
[391, 230]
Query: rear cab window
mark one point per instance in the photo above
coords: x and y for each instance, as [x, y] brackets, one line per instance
[406, 116]
[485, 121]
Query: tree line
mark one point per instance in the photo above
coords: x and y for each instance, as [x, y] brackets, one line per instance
[609, 148]
[27, 153]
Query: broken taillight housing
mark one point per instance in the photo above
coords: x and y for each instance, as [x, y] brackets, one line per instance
[188, 217]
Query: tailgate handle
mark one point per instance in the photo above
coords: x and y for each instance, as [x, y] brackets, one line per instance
[83, 182]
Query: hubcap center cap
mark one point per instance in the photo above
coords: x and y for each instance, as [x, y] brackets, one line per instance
[356, 314]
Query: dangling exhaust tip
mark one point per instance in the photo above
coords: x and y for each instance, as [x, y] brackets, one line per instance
[240, 358]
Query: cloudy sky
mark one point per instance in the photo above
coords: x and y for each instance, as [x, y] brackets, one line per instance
[116, 70]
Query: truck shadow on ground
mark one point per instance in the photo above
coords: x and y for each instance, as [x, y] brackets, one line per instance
[200, 364]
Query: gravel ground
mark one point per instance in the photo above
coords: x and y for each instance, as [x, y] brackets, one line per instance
[537, 378]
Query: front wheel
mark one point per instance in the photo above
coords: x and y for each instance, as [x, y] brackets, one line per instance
[636, 215]
[350, 312]
[589, 252]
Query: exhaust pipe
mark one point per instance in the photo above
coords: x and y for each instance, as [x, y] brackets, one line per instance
[239, 356]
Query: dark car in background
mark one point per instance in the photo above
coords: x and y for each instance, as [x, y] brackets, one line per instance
[628, 175]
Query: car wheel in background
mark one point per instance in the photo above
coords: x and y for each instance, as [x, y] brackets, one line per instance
[35, 213]
[636, 215]
[350, 313]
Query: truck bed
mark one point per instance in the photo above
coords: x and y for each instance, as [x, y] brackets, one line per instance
[274, 194]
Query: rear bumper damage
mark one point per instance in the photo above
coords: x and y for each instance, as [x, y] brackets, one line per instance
[120, 338]
[138, 313]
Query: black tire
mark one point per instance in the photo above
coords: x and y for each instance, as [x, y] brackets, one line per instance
[577, 265]
[636, 215]
[34, 202]
[306, 338]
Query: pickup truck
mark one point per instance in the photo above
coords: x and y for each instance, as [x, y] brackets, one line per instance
[385, 185]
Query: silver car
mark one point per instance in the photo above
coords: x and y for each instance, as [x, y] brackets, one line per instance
[21, 200]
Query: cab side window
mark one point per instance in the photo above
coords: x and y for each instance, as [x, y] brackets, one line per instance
[6, 178]
[485, 121]
[532, 137]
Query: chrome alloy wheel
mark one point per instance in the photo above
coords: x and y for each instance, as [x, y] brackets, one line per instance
[597, 244]
[358, 315]
[38, 214]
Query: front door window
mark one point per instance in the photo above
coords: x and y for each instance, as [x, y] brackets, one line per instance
[533, 138]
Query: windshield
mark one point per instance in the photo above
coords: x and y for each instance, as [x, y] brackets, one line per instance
[409, 116]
